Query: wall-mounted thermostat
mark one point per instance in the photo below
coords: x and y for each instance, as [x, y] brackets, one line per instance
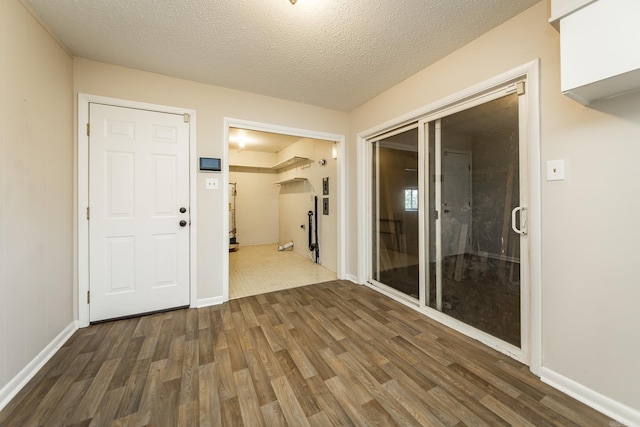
[210, 164]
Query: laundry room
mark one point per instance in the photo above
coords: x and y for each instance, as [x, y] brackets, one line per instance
[282, 211]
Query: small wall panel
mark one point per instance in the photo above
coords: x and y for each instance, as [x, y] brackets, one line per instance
[164, 134]
[120, 264]
[120, 191]
[115, 129]
[164, 172]
[166, 254]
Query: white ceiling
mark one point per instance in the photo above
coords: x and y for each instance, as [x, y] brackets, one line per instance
[336, 54]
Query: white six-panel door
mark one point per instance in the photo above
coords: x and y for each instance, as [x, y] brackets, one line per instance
[138, 197]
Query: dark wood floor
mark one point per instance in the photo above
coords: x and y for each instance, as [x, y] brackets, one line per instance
[327, 354]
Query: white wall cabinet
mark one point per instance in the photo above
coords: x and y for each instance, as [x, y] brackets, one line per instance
[562, 8]
[599, 47]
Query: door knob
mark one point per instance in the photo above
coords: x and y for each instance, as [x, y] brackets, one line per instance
[183, 223]
[183, 210]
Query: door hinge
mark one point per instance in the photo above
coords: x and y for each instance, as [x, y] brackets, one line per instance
[88, 297]
[520, 88]
[187, 117]
[88, 129]
[88, 212]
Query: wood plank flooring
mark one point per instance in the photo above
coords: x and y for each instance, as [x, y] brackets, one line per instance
[327, 354]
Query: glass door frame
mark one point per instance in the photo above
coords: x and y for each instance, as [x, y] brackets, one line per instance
[531, 351]
[520, 353]
[370, 186]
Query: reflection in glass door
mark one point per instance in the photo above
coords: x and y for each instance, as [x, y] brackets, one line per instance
[395, 209]
[473, 188]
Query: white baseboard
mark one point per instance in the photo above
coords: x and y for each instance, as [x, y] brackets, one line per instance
[12, 388]
[625, 415]
[353, 278]
[206, 302]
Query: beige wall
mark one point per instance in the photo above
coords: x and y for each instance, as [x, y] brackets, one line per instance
[257, 197]
[296, 200]
[590, 282]
[256, 206]
[36, 189]
[212, 104]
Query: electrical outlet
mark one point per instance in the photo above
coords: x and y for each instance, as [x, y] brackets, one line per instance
[211, 183]
[555, 170]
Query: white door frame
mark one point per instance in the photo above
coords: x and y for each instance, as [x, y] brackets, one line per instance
[531, 72]
[82, 195]
[341, 187]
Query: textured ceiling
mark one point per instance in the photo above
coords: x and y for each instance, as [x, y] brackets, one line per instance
[329, 53]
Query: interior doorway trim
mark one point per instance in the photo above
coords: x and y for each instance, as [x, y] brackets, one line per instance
[341, 187]
[530, 71]
[82, 196]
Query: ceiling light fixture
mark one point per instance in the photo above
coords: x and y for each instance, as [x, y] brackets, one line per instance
[293, 1]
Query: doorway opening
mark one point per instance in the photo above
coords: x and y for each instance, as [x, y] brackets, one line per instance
[283, 216]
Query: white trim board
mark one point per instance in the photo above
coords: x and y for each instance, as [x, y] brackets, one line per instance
[207, 302]
[82, 195]
[625, 415]
[16, 384]
[341, 187]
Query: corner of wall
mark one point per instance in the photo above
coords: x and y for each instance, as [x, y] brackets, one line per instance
[16, 384]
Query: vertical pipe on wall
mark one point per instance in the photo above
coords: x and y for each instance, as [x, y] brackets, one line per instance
[310, 227]
[317, 244]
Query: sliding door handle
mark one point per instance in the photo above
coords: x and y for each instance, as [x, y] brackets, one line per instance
[523, 220]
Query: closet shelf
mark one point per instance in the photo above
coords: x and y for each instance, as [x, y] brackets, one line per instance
[290, 162]
[289, 181]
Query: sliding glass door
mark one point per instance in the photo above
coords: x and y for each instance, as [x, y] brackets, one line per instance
[394, 195]
[474, 266]
[447, 215]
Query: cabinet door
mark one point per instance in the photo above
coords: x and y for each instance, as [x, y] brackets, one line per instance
[597, 44]
[561, 8]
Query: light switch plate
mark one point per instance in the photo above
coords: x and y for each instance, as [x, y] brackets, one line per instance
[555, 170]
[211, 183]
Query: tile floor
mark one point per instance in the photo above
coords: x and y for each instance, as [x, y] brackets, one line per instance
[258, 269]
